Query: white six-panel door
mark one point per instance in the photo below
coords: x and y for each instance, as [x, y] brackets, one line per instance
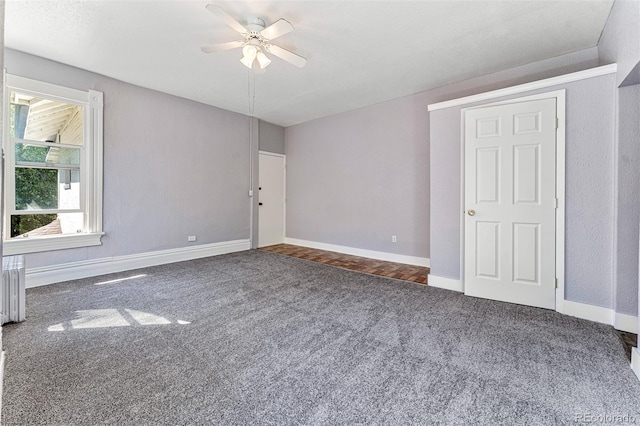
[509, 238]
[271, 200]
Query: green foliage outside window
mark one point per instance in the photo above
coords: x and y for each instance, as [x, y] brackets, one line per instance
[35, 187]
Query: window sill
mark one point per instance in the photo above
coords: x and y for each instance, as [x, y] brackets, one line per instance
[59, 242]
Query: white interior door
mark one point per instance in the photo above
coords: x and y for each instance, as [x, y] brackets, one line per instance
[510, 202]
[271, 199]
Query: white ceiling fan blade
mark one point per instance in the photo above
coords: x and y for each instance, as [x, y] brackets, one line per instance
[222, 46]
[288, 56]
[220, 13]
[277, 29]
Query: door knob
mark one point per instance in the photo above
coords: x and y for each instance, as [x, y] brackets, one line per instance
[259, 204]
[471, 212]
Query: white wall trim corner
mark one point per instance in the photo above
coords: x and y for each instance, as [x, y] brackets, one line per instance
[623, 322]
[44, 275]
[635, 361]
[2, 359]
[371, 254]
[444, 282]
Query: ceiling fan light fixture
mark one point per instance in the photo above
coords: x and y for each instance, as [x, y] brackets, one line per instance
[263, 61]
[249, 53]
[247, 62]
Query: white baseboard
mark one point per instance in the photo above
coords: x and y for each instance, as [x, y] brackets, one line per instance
[635, 361]
[371, 254]
[444, 282]
[588, 312]
[44, 275]
[623, 322]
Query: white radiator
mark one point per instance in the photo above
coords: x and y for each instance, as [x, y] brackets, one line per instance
[12, 289]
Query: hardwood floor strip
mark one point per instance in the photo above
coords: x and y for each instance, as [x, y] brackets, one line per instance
[399, 271]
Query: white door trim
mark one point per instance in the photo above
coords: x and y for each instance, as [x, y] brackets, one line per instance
[560, 96]
[284, 188]
[527, 87]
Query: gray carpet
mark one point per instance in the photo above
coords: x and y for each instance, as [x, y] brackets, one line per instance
[260, 338]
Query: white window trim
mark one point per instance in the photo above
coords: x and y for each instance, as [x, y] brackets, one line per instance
[92, 101]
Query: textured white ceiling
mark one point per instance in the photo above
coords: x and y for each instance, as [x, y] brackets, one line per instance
[359, 52]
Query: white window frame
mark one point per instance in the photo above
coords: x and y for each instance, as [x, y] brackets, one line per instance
[91, 167]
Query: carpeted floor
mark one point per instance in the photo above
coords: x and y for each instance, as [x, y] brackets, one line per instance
[260, 338]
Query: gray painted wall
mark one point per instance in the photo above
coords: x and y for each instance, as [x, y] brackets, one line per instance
[446, 207]
[255, 180]
[357, 178]
[1, 133]
[1, 94]
[628, 202]
[172, 167]
[590, 130]
[620, 43]
[271, 138]
[620, 40]
[1, 123]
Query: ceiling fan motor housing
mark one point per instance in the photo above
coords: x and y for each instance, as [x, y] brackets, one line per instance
[255, 24]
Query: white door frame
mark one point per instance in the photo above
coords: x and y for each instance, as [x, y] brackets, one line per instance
[284, 188]
[559, 96]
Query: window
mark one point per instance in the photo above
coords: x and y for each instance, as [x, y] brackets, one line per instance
[53, 167]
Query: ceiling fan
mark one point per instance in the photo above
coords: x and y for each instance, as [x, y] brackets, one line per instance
[255, 39]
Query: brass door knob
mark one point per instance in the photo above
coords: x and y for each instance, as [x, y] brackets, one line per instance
[471, 212]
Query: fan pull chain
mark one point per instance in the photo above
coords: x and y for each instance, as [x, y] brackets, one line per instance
[251, 88]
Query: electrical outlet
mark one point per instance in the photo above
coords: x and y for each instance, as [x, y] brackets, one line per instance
[191, 238]
[394, 239]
